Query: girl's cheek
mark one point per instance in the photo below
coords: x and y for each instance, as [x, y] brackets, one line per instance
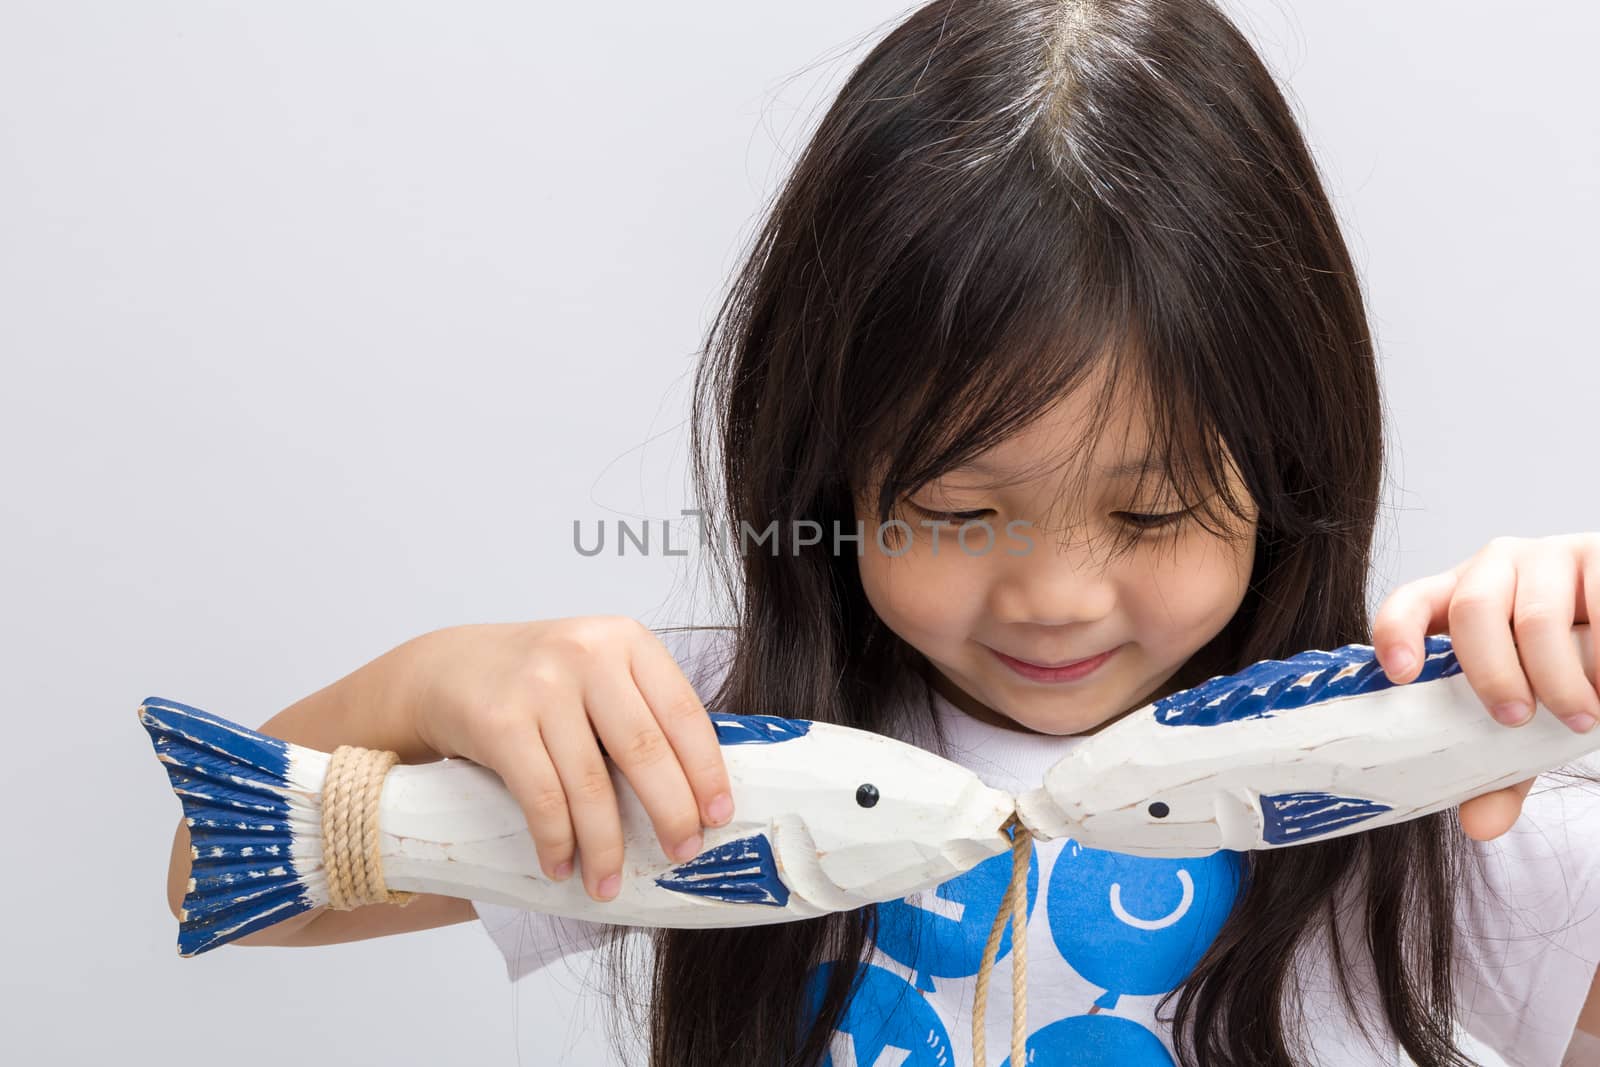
[922, 588]
[1198, 581]
[1192, 549]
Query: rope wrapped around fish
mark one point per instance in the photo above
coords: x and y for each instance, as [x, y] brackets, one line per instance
[829, 818]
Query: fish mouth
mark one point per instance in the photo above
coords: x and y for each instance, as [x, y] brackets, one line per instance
[992, 811]
[965, 855]
[1041, 816]
[999, 815]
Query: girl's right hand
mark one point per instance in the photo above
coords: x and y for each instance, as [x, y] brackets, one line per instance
[535, 701]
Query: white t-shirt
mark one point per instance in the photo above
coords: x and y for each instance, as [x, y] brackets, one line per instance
[1109, 933]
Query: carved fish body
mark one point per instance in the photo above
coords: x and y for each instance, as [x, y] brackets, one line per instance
[1294, 750]
[826, 818]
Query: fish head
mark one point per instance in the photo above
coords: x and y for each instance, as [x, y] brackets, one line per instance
[1147, 814]
[867, 818]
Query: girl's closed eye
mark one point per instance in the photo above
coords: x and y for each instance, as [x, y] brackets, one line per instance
[951, 516]
[1142, 521]
[1157, 521]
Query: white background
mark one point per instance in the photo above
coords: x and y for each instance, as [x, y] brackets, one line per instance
[322, 322]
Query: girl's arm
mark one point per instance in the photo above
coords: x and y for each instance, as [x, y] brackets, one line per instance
[1589, 1017]
[533, 702]
[365, 708]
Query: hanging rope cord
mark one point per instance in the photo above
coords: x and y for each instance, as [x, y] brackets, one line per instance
[1013, 913]
[353, 862]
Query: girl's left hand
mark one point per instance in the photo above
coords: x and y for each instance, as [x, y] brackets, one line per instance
[1509, 611]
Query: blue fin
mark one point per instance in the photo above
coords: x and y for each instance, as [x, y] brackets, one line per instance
[232, 783]
[740, 872]
[757, 729]
[1308, 678]
[1291, 817]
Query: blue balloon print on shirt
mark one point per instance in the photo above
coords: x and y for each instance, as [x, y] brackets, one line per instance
[886, 1024]
[1137, 925]
[1095, 1041]
[941, 934]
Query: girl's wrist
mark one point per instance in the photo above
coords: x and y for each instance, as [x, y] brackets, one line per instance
[400, 691]
[375, 706]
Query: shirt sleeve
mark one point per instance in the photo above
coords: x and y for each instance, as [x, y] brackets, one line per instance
[531, 941]
[1529, 914]
[703, 654]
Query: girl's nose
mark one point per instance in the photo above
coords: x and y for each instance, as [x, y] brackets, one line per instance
[1053, 586]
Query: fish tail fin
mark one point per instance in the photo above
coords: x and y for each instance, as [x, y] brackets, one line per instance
[254, 834]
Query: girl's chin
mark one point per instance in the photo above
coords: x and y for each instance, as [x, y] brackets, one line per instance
[1031, 712]
[1015, 703]
[1062, 711]
[1054, 723]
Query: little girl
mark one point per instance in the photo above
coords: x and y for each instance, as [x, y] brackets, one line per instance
[1046, 390]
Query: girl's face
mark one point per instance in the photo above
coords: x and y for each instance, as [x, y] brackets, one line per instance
[1069, 596]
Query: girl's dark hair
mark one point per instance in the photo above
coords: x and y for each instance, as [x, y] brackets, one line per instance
[1005, 196]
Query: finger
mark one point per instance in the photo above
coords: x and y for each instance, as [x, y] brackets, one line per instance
[1546, 599]
[525, 767]
[592, 800]
[688, 727]
[1403, 621]
[640, 749]
[1591, 613]
[1480, 631]
[1489, 815]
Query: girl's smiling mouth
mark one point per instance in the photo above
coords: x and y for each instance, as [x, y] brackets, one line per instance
[1067, 672]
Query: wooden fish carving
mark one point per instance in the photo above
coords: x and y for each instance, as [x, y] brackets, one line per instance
[826, 818]
[1295, 750]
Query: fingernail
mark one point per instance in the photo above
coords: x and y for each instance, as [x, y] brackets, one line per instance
[1401, 661]
[720, 809]
[1581, 723]
[563, 870]
[1514, 713]
[687, 849]
[609, 885]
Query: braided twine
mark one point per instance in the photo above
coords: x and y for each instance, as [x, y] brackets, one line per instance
[1014, 913]
[350, 848]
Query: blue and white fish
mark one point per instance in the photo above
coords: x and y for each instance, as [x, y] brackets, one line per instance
[826, 819]
[1287, 751]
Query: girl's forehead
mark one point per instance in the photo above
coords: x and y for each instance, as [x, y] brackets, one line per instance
[1106, 429]
[1096, 430]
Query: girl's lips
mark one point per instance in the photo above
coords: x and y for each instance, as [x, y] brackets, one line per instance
[1067, 673]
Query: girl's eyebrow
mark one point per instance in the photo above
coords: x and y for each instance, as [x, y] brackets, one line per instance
[1145, 464]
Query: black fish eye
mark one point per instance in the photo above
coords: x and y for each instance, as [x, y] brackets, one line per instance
[867, 795]
[1159, 810]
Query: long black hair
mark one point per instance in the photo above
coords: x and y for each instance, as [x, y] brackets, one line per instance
[1004, 195]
